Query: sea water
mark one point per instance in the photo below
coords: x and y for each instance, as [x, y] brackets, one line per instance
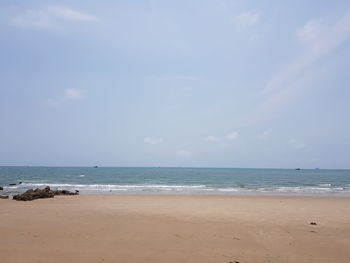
[234, 181]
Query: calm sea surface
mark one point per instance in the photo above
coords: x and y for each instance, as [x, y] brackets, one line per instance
[105, 180]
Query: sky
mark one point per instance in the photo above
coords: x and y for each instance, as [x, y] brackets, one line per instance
[190, 83]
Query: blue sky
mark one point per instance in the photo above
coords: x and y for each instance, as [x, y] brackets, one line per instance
[220, 83]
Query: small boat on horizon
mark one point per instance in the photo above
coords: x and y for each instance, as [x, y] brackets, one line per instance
[298, 169]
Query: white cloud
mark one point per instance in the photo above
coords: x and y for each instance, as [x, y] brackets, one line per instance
[322, 38]
[211, 139]
[232, 136]
[246, 19]
[318, 39]
[74, 94]
[183, 153]
[71, 14]
[263, 135]
[310, 33]
[68, 94]
[152, 141]
[48, 17]
[299, 145]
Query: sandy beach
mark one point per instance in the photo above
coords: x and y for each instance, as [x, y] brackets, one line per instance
[225, 229]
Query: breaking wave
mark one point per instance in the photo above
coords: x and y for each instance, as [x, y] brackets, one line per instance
[321, 189]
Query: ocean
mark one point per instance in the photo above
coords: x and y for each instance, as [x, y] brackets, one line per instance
[228, 181]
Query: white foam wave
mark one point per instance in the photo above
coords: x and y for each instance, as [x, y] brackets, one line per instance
[112, 187]
[306, 190]
[229, 189]
[155, 188]
[327, 185]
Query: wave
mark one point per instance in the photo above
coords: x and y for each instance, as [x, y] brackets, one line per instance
[310, 189]
[113, 187]
[186, 189]
[325, 185]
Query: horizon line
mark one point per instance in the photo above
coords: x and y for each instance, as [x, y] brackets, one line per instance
[182, 167]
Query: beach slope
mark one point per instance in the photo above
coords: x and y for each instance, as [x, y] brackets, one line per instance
[223, 229]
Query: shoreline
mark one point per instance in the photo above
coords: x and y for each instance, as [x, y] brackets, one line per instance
[174, 193]
[176, 190]
[176, 228]
[195, 196]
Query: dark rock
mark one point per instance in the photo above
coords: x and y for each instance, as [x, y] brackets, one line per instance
[65, 192]
[15, 184]
[31, 194]
[1, 188]
[313, 223]
[4, 196]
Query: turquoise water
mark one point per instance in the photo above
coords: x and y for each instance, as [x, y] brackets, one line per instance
[108, 180]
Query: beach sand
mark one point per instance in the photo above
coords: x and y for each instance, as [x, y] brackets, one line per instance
[123, 228]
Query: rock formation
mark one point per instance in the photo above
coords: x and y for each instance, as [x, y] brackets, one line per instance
[31, 194]
[65, 192]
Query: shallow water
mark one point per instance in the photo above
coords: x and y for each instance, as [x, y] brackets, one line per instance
[111, 180]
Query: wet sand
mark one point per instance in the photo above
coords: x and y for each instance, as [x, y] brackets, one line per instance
[175, 229]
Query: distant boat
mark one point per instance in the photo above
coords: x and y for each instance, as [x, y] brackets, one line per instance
[298, 169]
[95, 166]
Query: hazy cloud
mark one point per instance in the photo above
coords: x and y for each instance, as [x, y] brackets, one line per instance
[297, 144]
[36, 19]
[211, 139]
[47, 17]
[172, 78]
[232, 136]
[183, 153]
[320, 39]
[152, 140]
[225, 145]
[263, 135]
[71, 14]
[74, 94]
[52, 103]
[246, 19]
